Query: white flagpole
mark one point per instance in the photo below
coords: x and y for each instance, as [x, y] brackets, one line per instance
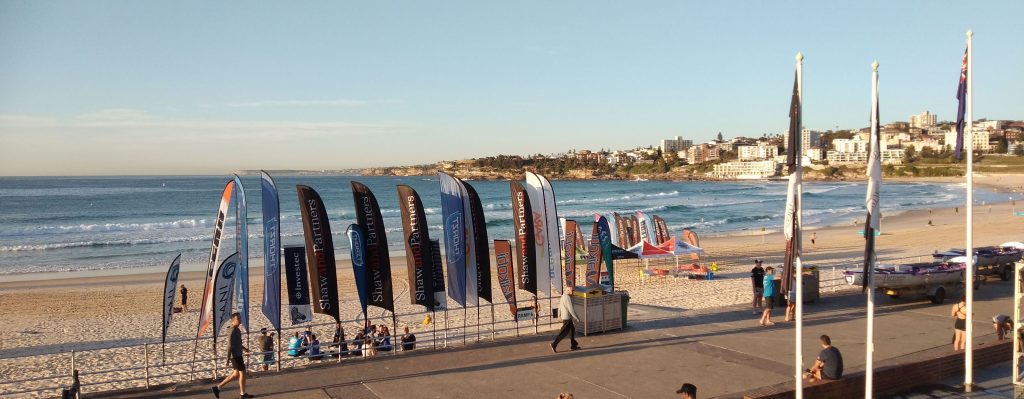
[798, 246]
[869, 356]
[969, 252]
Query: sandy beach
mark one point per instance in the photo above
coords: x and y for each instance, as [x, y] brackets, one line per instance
[43, 320]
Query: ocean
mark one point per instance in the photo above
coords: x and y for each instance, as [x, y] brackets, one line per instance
[90, 223]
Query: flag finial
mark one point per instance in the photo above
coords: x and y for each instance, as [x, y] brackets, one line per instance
[874, 66]
[970, 33]
[800, 57]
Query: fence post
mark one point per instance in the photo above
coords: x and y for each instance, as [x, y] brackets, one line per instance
[147, 365]
[834, 279]
[72, 362]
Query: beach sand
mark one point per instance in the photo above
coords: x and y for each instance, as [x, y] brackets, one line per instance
[43, 320]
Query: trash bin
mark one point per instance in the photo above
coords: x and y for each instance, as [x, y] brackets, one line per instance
[625, 307]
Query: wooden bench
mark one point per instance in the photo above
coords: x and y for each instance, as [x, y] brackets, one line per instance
[894, 375]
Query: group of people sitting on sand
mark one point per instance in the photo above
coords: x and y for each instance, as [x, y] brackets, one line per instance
[368, 342]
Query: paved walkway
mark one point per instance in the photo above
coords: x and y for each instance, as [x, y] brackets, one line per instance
[724, 352]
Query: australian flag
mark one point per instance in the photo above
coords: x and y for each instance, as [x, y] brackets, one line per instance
[961, 96]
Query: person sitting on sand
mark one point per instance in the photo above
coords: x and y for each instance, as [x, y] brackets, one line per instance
[828, 365]
[339, 341]
[384, 340]
[266, 345]
[357, 344]
[368, 347]
[769, 297]
[295, 348]
[1003, 325]
[314, 349]
[408, 340]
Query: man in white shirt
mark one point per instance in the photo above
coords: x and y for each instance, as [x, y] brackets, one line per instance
[567, 314]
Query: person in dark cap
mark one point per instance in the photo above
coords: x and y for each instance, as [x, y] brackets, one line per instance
[687, 391]
[266, 345]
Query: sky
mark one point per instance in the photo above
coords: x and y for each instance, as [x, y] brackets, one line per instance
[199, 87]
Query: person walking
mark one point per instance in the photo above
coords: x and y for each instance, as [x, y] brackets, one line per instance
[184, 299]
[236, 359]
[769, 297]
[567, 314]
[757, 279]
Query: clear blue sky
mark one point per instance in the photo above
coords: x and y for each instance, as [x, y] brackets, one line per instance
[127, 87]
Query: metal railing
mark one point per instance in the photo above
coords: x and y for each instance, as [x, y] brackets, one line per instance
[146, 365]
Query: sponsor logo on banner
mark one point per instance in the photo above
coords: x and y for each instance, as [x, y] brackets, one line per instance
[298, 298]
[525, 314]
[503, 263]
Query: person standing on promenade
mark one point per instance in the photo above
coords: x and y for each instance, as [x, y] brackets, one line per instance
[236, 359]
[959, 313]
[184, 299]
[757, 279]
[769, 297]
[687, 391]
[567, 314]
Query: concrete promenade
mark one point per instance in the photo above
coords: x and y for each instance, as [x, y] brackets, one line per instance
[724, 352]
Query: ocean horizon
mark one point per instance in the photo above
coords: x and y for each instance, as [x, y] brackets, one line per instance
[138, 222]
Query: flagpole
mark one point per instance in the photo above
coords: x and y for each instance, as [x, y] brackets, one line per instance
[799, 241]
[869, 356]
[969, 344]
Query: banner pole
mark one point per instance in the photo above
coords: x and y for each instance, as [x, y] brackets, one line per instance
[492, 321]
[278, 351]
[799, 272]
[969, 252]
[433, 324]
[536, 315]
[869, 356]
[446, 325]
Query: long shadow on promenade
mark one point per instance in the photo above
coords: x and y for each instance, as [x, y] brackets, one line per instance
[686, 332]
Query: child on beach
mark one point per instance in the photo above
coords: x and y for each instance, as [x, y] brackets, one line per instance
[791, 304]
[769, 297]
[757, 279]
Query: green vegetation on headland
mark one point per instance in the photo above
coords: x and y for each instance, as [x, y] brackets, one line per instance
[926, 163]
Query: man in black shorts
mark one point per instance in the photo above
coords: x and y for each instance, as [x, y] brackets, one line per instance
[828, 365]
[236, 359]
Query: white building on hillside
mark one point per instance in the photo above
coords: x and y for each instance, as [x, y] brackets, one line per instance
[889, 157]
[745, 170]
[980, 139]
[757, 152]
[675, 145]
[923, 120]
